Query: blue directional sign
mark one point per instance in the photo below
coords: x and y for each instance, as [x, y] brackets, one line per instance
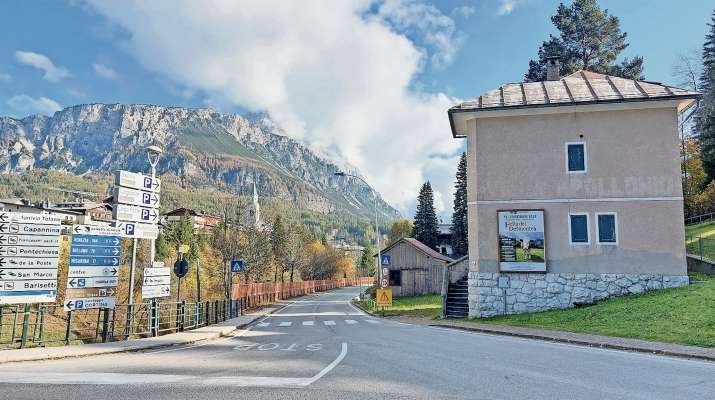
[95, 240]
[236, 265]
[96, 251]
[385, 260]
[98, 261]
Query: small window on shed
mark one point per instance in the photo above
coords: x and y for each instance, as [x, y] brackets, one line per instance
[575, 157]
[395, 277]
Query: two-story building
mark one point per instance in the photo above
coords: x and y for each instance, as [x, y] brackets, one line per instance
[574, 191]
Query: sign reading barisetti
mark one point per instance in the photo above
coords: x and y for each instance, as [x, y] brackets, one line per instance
[522, 244]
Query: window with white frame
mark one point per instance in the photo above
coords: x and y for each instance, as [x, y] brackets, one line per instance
[576, 157]
[578, 228]
[607, 228]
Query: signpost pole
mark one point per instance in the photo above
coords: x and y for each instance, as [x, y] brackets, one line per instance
[379, 255]
[130, 306]
[198, 288]
[25, 325]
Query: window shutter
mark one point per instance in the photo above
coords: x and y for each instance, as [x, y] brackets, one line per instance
[607, 228]
[579, 229]
[576, 157]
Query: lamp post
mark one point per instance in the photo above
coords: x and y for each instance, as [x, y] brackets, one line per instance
[153, 153]
[377, 230]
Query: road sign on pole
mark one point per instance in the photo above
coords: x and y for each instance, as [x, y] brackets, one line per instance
[156, 281]
[383, 297]
[236, 265]
[385, 260]
[136, 197]
[29, 255]
[125, 212]
[138, 230]
[95, 256]
[133, 180]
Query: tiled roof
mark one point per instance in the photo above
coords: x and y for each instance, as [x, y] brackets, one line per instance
[579, 87]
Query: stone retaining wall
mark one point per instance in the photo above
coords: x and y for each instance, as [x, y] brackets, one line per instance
[539, 292]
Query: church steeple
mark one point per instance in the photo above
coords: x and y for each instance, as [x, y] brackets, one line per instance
[254, 210]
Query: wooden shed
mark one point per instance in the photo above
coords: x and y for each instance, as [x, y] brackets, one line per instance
[415, 269]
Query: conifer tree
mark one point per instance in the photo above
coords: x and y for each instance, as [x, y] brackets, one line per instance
[706, 117]
[425, 225]
[459, 213]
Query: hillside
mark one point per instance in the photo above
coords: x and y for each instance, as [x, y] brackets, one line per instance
[204, 149]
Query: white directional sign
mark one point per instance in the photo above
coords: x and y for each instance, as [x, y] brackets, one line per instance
[23, 274]
[156, 282]
[15, 228]
[24, 240]
[89, 302]
[124, 212]
[94, 261]
[136, 197]
[29, 253]
[137, 181]
[138, 230]
[29, 218]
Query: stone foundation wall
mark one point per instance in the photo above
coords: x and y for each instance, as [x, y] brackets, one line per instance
[539, 292]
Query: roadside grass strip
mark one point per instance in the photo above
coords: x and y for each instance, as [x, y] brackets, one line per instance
[682, 315]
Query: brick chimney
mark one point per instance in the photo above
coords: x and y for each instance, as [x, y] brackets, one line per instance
[553, 68]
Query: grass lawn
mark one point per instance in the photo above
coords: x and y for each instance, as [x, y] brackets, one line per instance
[682, 315]
[416, 306]
[537, 255]
[704, 229]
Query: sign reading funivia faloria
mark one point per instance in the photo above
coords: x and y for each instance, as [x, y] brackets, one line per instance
[29, 253]
[92, 278]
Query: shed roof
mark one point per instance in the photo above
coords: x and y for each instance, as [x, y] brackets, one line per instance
[419, 246]
[580, 88]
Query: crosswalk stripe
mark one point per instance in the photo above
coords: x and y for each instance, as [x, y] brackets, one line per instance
[372, 321]
[329, 322]
[285, 323]
[263, 324]
[350, 321]
[308, 323]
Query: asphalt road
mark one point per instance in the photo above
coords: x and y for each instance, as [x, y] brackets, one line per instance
[320, 347]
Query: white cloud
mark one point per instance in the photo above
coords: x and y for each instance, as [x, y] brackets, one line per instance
[508, 6]
[104, 71]
[25, 105]
[339, 77]
[427, 23]
[53, 73]
[464, 11]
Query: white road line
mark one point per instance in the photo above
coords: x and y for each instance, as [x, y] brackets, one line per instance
[263, 324]
[329, 322]
[111, 378]
[308, 323]
[350, 321]
[285, 323]
[372, 321]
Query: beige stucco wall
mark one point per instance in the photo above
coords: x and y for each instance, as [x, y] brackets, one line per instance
[630, 154]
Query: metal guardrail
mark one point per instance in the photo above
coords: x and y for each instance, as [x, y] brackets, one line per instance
[703, 247]
[697, 219]
[50, 325]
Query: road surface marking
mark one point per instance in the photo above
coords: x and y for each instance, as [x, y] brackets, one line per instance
[329, 322]
[285, 323]
[263, 324]
[350, 321]
[308, 323]
[372, 321]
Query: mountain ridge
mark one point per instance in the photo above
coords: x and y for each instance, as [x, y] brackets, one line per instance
[204, 147]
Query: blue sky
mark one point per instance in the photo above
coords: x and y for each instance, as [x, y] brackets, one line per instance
[357, 80]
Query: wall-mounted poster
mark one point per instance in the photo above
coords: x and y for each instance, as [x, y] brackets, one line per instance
[522, 245]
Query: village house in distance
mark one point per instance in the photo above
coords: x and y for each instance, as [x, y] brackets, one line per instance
[574, 191]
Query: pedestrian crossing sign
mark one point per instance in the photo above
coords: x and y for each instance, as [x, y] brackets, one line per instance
[383, 297]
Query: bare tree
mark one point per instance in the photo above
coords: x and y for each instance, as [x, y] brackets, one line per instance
[254, 248]
[295, 255]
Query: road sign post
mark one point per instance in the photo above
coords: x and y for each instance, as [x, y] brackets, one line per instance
[235, 266]
[29, 257]
[92, 278]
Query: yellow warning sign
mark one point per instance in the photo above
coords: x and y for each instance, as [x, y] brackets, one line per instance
[383, 297]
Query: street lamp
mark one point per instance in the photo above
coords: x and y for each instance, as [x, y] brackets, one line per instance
[153, 153]
[377, 229]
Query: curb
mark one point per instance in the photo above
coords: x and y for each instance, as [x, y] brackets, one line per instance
[92, 349]
[658, 348]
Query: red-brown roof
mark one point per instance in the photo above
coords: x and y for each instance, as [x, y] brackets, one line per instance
[421, 247]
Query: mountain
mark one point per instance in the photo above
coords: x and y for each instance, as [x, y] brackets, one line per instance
[205, 148]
